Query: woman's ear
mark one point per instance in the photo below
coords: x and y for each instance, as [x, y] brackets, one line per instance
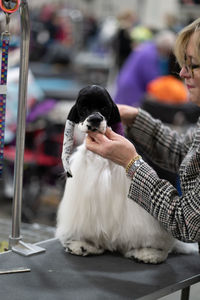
[73, 114]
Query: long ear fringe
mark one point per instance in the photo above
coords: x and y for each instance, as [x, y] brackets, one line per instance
[68, 146]
[73, 114]
[115, 116]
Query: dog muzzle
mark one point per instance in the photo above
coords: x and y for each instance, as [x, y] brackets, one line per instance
[94, 122]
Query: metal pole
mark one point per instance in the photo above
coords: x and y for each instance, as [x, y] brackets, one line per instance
[15, 242]
[185, 293]
[21, 124]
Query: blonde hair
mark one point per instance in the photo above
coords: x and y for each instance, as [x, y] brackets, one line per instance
[182, 41]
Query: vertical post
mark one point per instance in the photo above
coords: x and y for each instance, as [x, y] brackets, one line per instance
[185, 293]
[15, 242]
[21, 123]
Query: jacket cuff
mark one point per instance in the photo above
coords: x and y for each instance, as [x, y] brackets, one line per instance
[142, 184]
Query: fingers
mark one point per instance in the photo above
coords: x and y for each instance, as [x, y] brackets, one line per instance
[94, 139]
[111, 135]
[90, 143]
[109, 132]
[96, 136]
[95, 144]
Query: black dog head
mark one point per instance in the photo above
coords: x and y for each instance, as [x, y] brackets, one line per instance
[94, 110]
[94, 106]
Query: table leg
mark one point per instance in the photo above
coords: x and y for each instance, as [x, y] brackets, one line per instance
[185, 293]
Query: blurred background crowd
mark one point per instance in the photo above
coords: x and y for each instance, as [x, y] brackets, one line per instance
[125, 46]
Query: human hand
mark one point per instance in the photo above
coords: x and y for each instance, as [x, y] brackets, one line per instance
[111, 146]
[127, 113]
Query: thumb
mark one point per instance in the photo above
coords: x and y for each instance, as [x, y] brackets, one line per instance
[95, 137]
[110, 133]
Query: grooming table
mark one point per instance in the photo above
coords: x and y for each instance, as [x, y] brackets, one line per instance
[58, 275]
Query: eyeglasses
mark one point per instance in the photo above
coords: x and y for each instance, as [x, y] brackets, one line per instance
[190, 67]
[9, 6]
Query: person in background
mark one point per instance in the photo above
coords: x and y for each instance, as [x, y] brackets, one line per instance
[147, 61]
[180, 215]
[140, 34]
[123, 41]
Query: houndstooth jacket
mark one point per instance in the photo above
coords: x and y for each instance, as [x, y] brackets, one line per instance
[176, 152]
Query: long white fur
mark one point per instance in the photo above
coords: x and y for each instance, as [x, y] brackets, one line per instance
[95, 214]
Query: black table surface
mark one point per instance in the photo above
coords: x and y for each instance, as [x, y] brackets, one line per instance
[58, 275]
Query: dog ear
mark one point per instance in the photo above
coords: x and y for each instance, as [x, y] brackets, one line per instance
[73, 114]
[115, 116]
[68, 146]
[115, 120]
[68, 141]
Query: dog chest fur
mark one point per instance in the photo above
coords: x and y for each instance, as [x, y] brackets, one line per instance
[95, 207]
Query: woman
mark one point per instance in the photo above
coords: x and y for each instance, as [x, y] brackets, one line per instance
[179, 153]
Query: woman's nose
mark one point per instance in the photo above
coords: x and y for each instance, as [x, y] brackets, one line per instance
[184, 72]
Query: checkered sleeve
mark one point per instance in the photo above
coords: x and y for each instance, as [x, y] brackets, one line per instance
[179, 215]
[163, 146]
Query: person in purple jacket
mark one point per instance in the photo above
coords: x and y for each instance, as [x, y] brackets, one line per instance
[147, 61]
[179, 214]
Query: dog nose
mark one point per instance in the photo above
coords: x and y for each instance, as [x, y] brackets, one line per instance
[95, 118]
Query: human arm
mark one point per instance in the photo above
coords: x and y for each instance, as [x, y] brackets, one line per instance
[179, 215]
[128, 114]
[163, 146]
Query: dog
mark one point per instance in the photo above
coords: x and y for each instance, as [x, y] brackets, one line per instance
[95, 214]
